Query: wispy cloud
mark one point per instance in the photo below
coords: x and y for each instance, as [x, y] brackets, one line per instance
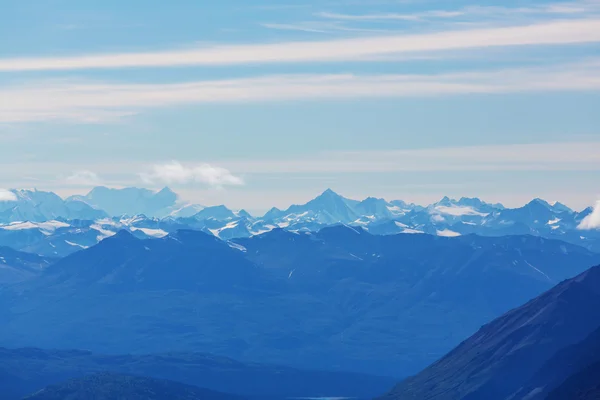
[311, 27]
[83, 178]
[546, 33]
[175, 172]
[390, 16]
[322, 27]
[80, 101]
[568, 9]
[592, 221]
[574, 156]
[554, 156]
[7, 195]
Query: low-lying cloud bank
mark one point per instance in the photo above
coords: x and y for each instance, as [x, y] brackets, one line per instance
[592, 221]
[7, 195]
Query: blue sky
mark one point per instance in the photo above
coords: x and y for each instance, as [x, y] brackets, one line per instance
[255, 104]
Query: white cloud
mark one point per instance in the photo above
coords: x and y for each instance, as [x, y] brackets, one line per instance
[175, 172]
[83, 178]
[7, 195]
[592, 221]
[81, 101]
[583, 30]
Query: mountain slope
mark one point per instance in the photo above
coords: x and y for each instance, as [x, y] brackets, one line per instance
[110, 386]
[583, 385]
[16, 266]
[568, 362]
[505, 354]
[338, 299]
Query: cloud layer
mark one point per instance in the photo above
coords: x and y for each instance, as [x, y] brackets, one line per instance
[479, 12]
[177, 173]
[570, 31]
[94, 102]
[558, 156]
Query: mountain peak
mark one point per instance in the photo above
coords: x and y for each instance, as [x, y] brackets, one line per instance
[558, 206]
[372, 199]
[244, 214]
[166, 190]
[220, 212]
[329, 193]
[446, 201]
[272, 214]
[538, 201]
[123, 234]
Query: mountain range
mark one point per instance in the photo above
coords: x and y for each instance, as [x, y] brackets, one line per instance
[376, 287]
[43, 223]
[39, 206]
[340, 298]
[111, 386]
[28, 370]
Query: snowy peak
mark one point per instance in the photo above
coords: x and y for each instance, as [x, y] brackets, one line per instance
[373, 209]
[329, 193]
[560, 207]
[327, 208]
[479, 204]
[131, 201]
[537, 202]
[165, 197]
[243, 214]
[220, 213]
[328, 197]
[272, 214]
[40, 206]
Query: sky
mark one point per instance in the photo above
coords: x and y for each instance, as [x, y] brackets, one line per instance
[255, 104]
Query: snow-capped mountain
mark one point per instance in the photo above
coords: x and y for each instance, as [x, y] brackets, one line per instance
[40, 206]
[61, 238]
[327, 208]
[133, 201]
[42, 222]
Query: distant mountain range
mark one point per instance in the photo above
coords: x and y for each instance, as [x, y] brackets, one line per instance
[340, 298]
[548, 348]
[43, 223]
[38, 206]
[135, 201]
[28, 370]
[111, 386]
